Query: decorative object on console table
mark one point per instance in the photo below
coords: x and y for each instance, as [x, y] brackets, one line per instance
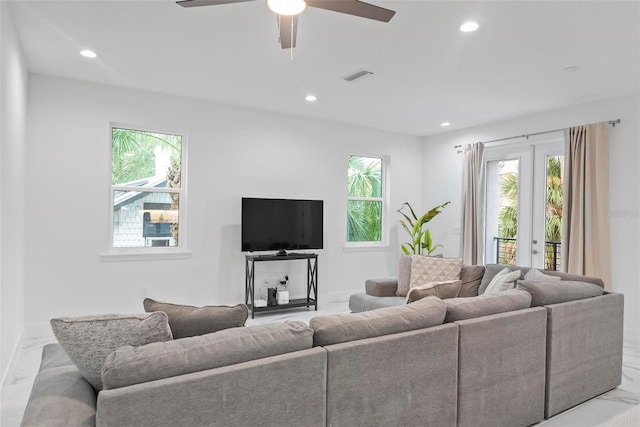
[312, 282]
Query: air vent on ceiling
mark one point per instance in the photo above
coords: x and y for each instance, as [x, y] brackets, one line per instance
[358, 76]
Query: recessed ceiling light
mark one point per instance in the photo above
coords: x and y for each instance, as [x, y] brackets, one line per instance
[467, 27]
[88, 53]
[310, 98]
[572, 69]
[445, 124]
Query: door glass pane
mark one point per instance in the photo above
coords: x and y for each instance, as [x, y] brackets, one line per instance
[553, 210]
[502, 211]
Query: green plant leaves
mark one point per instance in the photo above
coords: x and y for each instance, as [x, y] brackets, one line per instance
[420, 237]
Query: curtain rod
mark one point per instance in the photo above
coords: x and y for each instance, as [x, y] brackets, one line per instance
[527, 135]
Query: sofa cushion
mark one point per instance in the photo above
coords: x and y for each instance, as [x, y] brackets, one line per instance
[130, 365]
[364, 302]
[535, 275]
[557, 291]
[471, 277]
[486, 304]
[443, 290]
[188, 321]
[336, 328]
[503, 281]
[426, 269]
[88, 340]
[404, 275]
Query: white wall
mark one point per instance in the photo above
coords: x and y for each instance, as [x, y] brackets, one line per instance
[13, 98]
[232, 152]
[442, 162]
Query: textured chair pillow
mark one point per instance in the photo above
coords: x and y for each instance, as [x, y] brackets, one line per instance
[189, 321]
[404, 275]
[426, 269]
[129, 365]
[503, 281]
[486, 304]
[88, 340]
[442, 290]
[534, 275]
[336, 328]
[471, 276]
[557, 291]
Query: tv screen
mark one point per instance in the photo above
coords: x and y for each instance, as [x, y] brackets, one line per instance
[281, 224]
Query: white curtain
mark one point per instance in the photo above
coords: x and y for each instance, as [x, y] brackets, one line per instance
[585, 220]
[472, 215]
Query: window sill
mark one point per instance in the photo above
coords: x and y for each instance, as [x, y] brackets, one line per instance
[147, 256]
[366, 248]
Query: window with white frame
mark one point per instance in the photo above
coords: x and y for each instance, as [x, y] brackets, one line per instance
[365, 201]
[147, 192]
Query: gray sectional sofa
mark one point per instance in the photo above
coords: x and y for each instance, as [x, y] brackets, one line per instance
[489, 360]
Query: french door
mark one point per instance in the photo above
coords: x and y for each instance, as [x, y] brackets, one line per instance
[523, 203]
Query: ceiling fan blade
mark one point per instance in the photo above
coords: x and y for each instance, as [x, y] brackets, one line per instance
[195, 3]
[354, 7]
[287, 31]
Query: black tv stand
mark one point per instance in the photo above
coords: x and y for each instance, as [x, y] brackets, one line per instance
[312, 282]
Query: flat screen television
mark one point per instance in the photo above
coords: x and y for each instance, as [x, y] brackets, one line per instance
[281, 224]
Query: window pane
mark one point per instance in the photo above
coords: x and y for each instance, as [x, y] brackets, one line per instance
[139, 157]
[553, 217]
[365, 177]
[364, 221]
[145, 219]
[502, 211]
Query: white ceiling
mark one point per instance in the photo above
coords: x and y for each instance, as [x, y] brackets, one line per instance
[425, 70]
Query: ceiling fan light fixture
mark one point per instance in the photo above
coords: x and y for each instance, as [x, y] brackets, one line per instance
[287, 7]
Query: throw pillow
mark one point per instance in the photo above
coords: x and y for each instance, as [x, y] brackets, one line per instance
[425, 269]
[129, 365]
[557, 291]
[503, 281]
[534, 275]
[189, 321]
[442, 290]
[88, 340]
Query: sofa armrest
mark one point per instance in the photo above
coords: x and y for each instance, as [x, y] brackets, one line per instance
[384, 287]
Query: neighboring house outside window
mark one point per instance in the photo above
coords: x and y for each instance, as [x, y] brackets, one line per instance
[366, 201]
[147, 192]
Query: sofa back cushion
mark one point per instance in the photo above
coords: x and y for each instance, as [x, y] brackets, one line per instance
[337, 328]
[88, 340]
[471, 277]
[130, 365]
[404, 275]
[484, 305]
[189, 321]
[557, 291]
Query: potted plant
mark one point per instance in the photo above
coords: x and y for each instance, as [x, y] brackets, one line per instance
[420, 242]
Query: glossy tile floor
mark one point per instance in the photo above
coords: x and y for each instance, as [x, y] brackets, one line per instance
[601, 409]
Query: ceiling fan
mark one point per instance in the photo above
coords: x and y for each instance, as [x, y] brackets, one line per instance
[288, 11]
